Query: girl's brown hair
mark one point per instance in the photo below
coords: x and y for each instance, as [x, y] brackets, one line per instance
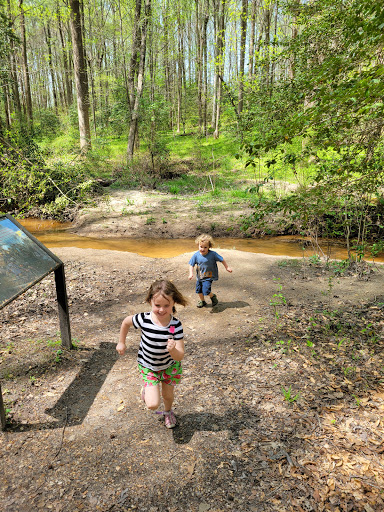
[165, 287]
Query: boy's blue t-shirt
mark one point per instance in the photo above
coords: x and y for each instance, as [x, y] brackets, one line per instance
[206, 265]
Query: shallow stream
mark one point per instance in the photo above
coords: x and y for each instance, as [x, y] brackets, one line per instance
[57, 234]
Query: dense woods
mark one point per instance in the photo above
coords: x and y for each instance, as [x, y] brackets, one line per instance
[294, 84]
[169, 60]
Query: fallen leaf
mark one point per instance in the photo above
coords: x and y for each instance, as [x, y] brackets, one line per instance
[191, 468]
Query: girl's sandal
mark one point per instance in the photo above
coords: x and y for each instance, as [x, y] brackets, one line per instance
[169, 418]
[201, 304]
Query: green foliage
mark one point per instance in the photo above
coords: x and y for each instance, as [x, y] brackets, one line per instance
[7, 37]
[47, 124]
[277, 299]
[112, 119]
[288, 395]
[333, 102]
[154, 116]
[314, 260]
[159, 152]
[27, 182]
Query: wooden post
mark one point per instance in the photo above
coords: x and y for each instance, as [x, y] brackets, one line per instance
[2, 411]
[62, 303]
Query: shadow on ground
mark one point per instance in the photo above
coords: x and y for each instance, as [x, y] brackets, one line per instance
[73, 405]
[222, 306]
[233, 420]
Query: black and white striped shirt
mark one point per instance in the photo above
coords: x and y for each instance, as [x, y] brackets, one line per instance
[153, 351]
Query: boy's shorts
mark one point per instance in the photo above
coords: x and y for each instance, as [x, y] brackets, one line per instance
[204, 287]
[171, 375]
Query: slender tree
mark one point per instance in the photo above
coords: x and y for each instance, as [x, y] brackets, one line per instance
[205, 64]
[10, 42]
[27, 85]
[81, 77]
[199, 61]
[252, 22]
[66, 71]
[48, 39]
[142, 15]
[220, 42]
[243, 30]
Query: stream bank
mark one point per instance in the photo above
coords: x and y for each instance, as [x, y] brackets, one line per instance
[151, 224]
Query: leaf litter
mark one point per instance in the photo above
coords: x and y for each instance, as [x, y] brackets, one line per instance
[80, 439]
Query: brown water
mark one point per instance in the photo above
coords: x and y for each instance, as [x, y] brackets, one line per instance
[56, 234]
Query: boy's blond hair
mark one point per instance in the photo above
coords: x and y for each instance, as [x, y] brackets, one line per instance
[204, 238]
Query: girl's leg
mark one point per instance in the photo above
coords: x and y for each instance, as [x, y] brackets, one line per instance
[168, 395]
[201, 296]
[152, 397]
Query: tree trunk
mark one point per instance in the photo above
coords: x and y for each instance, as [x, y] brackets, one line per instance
[219, 63]
[67, 85]
[167, 68]
[179, 80]
[91, 75]
[199, 66]
[267, 45]
[273, 65]
[205, 66]
[124, 65]
[134, 63]
[252, 41]
[243, 36]
[15, 88]
[144, 19]
[47, 32]
[81, 78]
[27, 85]
[13, 73]
[215, 79]
[7, 109]
[291, 62]
[152, 95]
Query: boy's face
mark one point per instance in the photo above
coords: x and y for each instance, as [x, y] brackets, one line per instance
[203, 247]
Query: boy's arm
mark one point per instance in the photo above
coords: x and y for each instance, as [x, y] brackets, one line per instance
[228, 269]
[190, 271]
[126, 324]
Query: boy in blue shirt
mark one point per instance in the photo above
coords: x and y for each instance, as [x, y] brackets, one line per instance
[205, 261]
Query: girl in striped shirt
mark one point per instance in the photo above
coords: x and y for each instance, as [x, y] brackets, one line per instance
[161, 346]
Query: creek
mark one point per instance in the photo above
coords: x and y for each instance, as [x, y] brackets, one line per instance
[57, 234]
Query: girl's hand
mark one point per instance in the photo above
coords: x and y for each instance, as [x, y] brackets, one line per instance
[120, 347]
[171, 344]
[190, 277]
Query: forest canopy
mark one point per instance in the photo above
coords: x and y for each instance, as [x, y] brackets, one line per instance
[294, 83]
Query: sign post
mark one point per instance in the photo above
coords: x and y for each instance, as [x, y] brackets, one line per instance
[62, 303]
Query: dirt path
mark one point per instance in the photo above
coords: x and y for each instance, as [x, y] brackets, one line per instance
[81, 439]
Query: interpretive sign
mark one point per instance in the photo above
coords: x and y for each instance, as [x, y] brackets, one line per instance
[24, 261]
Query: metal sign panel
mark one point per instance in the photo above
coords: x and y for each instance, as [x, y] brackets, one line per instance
[24, 261]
